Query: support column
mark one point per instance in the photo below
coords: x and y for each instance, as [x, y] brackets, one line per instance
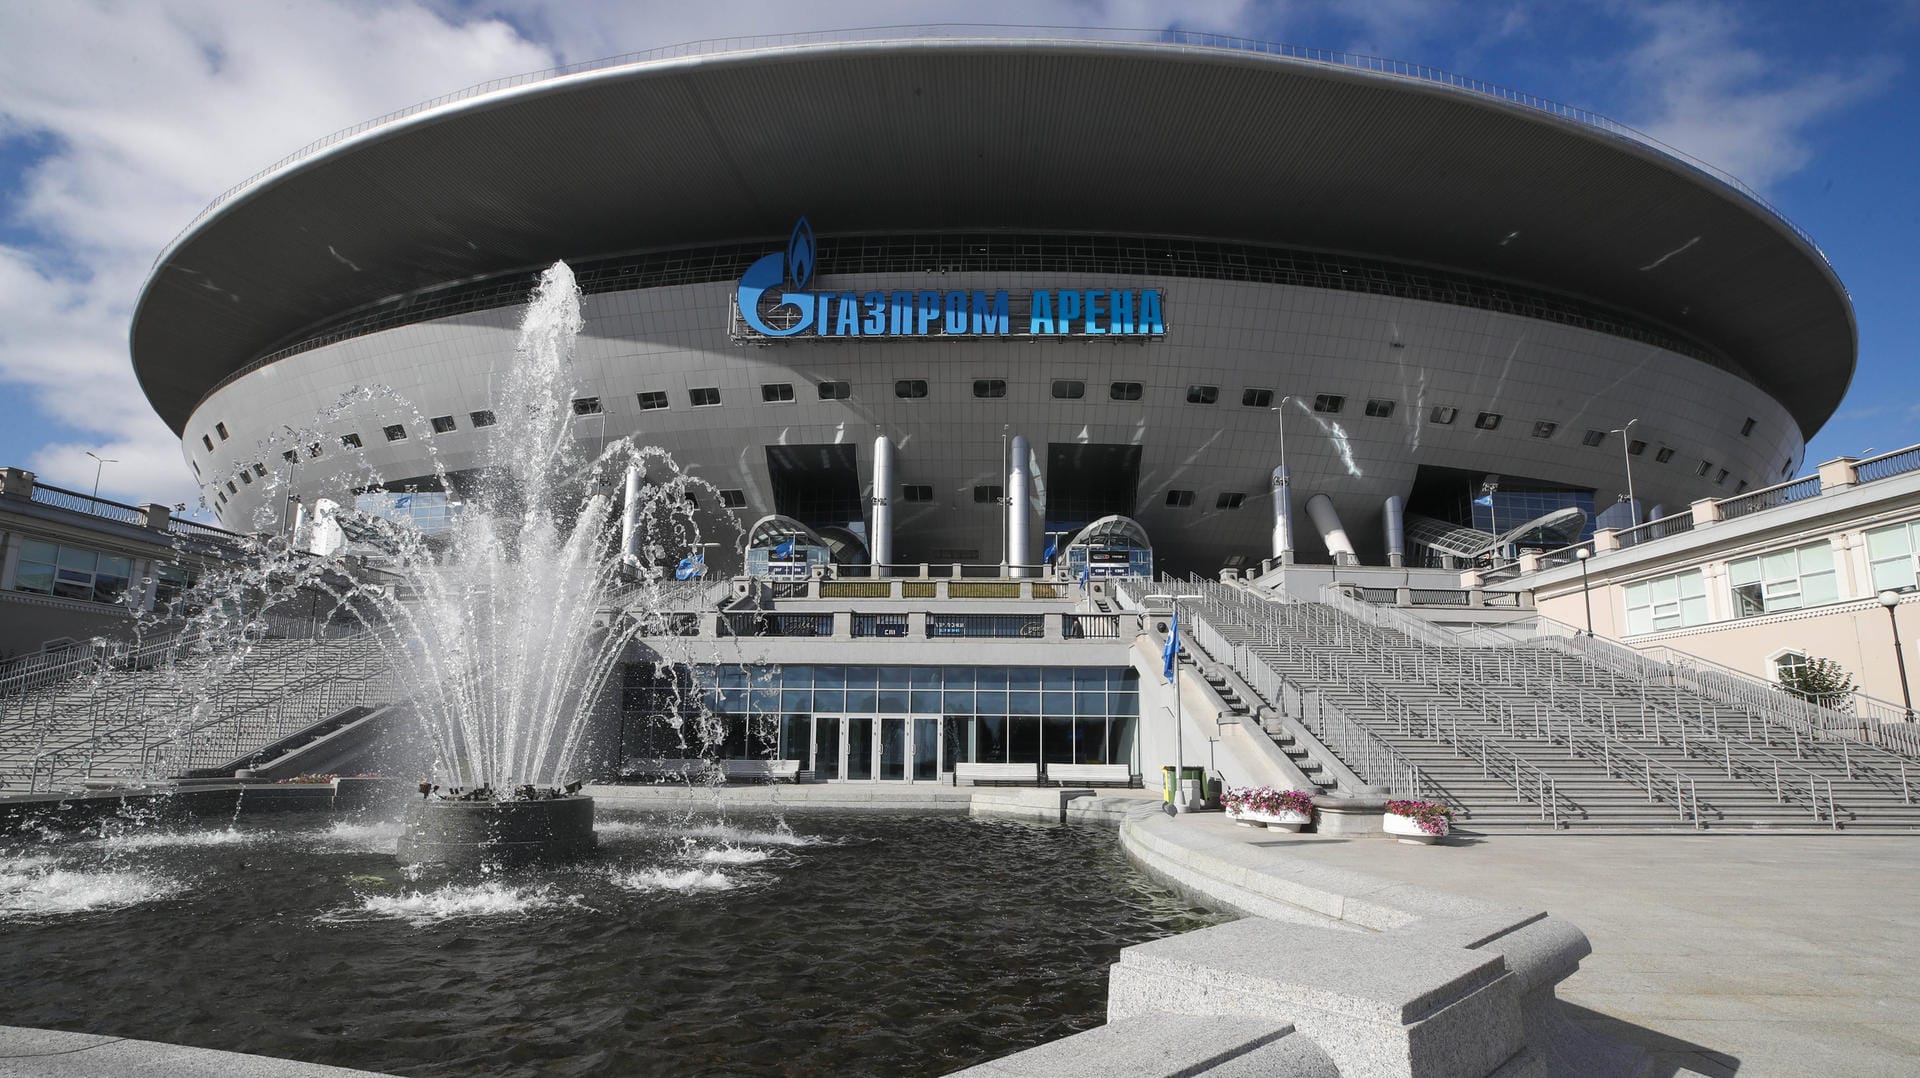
[630, 515]
[1019, 512]
[1320, 510]
[880, 530]
[1282, 516]
[1393, 517]
[9, 559]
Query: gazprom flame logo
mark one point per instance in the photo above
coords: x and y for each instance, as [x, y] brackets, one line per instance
[793, 270]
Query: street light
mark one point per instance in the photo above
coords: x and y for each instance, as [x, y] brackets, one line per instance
[1179, 741]
[1891, 599]
[99, 462]
[1633, 507]
[1583, 554]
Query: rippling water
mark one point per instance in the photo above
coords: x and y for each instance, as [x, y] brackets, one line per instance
[838, 945]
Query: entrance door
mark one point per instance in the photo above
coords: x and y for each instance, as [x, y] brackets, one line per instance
[860, 738]
[826, 747]
[893, 750]
[876, 749]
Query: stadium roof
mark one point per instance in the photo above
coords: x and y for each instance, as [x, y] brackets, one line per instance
[943, 129]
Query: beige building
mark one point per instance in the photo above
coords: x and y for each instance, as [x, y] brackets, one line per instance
[1819, 567]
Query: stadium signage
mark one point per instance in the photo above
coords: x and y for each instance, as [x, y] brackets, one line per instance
[774, 301]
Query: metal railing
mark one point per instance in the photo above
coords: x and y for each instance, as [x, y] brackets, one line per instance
[756, 623]
[1780, 494]
[1887, 465]
[1185, 39]
[1091, 626]
[991, 626]
[1656, 529]
[879, 625]
[1566, 555]
[62, 498]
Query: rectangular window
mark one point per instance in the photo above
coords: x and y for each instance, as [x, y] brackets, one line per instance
[1124, 391]
[246, 478]
[1783, 580]
[444, 423]
[1379, 409]
[990, 388]
[704, 397]
[1721, 479]
[916, 492]
[259, 469]
[221, 430]
[1746, 429]
[1893, 556]
[232, 488]
[1179, 499]
[1231, 499]
[1069, 389]
[829, 391]
[71, 572]
[1487, 421]
[206, 441]
[1329, 402]
[985, 493]
[912, 389]
[776, 392]
[1443, 415]
[586, 406]
[653, 400]
[1257, 398]
[395, 433]
[482, 418]
[1593, 438]
[1668, 602]
[1663, 454]
[733, 499]
[313, 450]
[1705, 467]
[292, 457]
[1203, 394]
[350, 441]
[1544, 429]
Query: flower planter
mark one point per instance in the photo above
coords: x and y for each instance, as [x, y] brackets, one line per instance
[1280, 810]
[1280, 821]
[1408, 830]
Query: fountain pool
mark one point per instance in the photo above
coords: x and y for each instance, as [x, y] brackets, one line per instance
[861, 944]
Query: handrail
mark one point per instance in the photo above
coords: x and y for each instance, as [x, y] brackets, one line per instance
[1753, 501]
[90, 504]
[1659, 528]
[1887, 465]
[878, 35]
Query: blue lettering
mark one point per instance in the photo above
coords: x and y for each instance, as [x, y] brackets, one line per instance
[901, 324]
[876, 323]
[956, 312]
[1069, 310]
[848, 324]
[1040, 319]
[1150, 322]
[1123, 312]
[929, 312]
[820, 300]
[1094, 311]
[990, 316]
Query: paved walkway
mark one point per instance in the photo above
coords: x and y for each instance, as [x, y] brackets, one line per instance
[1755, 955]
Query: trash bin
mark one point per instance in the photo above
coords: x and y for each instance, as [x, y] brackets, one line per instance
[1167, 784]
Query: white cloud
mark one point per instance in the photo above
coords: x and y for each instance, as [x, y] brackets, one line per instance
[1724, 103]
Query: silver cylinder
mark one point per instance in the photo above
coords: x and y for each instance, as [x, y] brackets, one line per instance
[1282, 516]
[1019, 511]
[630, 514]
[1393, 518]
[880, 541]
[1327, 522]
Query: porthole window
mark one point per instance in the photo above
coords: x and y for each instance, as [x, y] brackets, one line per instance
[776, 393]
[1329, 403]
[986, 493]
[733, 499]
[1069, 389]
[1443, 415]
[704, 397]
[1203, 394]
[1231, 499]
[1379, 409]
[989, 388]
[911, 389]
[835, 391]
[1487, 421]
[1593, 438]
[916, 492]
[1257, 398]
[1663, 455]
[581, 406]
[1125, 391]
[1544, 429]
[1179, 499]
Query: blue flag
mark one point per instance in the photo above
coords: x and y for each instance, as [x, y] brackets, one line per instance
[1046, 557]
[691, 567]
[783, 549]
[1171, 654]
[1484, 499]
[1086, 574]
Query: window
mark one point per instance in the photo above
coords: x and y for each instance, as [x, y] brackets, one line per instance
[582, 406]
[1746, 429]
[1544, 429]
[1257, 398]
[196, 468]
[71, 572]
[653, 400]
[910, 388]
[1069, 389]
[1741, 488]
[776, 392]
[1893, 556]
[733, 499]
[985, 493]
[292, 457]
[1329, 402]
[1203, 394]
[1124, 391]
[1660, 456]
[1379, 409]
[221, 430]
[1783, 580]
[259, 469]
[349, 441]
[688, 497]
[1721, 479]
[231, 488]
[1669, 602]
[829, 391]
[1231, 499]
[1488, 421]
[704, 397]
[482, 418]
[990, 387]
[1179, 499]
[444, 423]
[246, 478]
[1593, 438]
[1705, 467]
[395, 433]
[1443, 415]
[206, 441]
[916, 492]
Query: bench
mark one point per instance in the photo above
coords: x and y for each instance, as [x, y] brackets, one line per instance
[694, 770]
[980, 774]
[1090, 774]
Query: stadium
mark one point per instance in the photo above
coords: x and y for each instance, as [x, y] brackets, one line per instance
[1160, 264]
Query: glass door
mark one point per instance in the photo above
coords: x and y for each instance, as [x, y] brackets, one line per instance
[926, 750]
[893, 750]
[860, 739]
[826, 747]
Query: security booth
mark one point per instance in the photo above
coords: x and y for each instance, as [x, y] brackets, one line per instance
[782, 548]
[1111, 547]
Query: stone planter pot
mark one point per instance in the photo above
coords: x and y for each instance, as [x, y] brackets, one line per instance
[1284, 821]
[1407, 829]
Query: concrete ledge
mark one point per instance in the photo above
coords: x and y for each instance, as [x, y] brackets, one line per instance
[1166, 1046]
[781, 797]
[51, 1053]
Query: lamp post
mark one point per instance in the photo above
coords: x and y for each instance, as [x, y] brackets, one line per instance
[1283, 492]
[1633, 507]
[1005, 501]
[99, 462]
[1179, 742]
[1585, 596]
[1891, 599]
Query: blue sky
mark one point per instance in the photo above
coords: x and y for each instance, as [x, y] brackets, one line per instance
[118, 122]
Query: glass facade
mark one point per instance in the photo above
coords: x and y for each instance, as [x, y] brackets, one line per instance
[1668, 602]
[429, 512]
[72, 572]
[1783, 580]
[897, 721]
[1893, 554]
